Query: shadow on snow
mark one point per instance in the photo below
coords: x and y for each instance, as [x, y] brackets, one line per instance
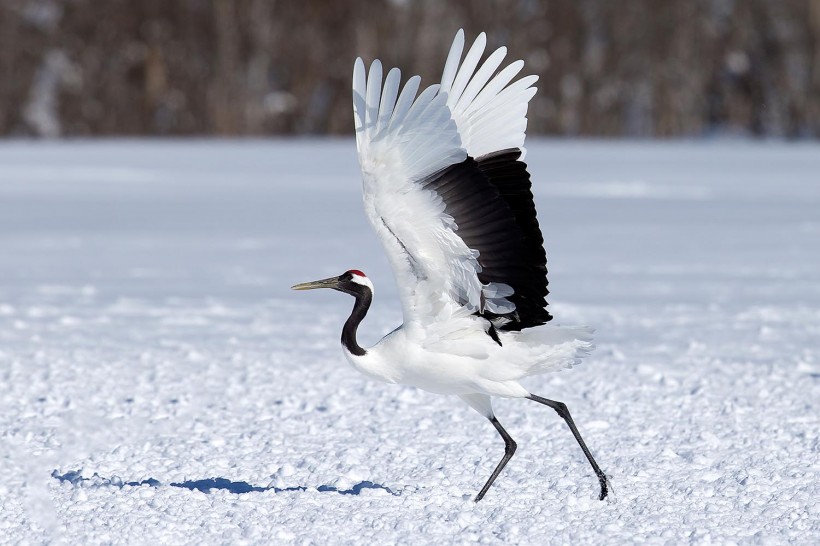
[74, 477]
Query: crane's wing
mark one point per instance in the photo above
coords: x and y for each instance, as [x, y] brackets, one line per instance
[446, 193]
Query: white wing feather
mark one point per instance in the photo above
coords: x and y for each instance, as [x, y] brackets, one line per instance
[403, 140]
[451, 66]
[490, 116]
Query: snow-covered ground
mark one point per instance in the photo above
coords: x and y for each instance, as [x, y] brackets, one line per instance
[159, 380]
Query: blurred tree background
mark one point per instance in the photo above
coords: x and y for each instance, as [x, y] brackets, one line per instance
[253, 67]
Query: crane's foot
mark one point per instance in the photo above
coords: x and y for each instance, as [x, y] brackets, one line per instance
[602, 479]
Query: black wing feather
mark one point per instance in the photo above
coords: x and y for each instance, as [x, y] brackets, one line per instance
[491, 201]
[512, 180]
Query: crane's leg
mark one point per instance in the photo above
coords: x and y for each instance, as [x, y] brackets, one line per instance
[509, 451]
[561, 409]
[482, 404]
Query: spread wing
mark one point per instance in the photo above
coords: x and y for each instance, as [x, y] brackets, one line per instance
[446, 190]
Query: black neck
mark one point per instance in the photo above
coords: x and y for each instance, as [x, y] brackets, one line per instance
[360, 308]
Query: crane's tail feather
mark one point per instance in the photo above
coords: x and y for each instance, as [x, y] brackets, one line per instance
[551, 348]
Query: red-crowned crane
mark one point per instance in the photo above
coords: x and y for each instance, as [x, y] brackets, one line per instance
[447, 192]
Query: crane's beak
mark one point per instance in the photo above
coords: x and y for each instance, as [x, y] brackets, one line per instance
[332, 282]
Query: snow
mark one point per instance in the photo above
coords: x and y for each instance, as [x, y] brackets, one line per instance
[160, 382]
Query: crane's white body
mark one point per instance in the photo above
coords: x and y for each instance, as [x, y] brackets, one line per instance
[443, 345]
[469, 361]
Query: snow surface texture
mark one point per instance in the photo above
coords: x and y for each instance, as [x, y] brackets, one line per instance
[159, 380]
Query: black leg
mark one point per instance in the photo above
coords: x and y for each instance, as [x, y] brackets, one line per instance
[562, 410]
[509, 450]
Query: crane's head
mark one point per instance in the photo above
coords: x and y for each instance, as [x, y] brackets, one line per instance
[352, 282]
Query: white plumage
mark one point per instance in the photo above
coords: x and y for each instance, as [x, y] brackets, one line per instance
[449, 197]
